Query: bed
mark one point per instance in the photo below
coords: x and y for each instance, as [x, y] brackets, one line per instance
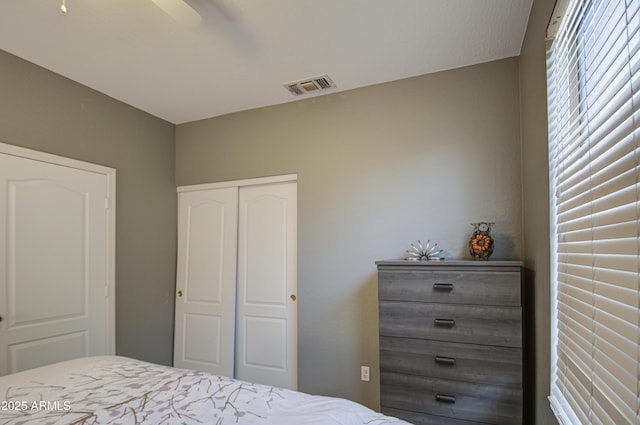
[119, 390]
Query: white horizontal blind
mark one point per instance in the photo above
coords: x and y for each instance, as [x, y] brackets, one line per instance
[594, 115]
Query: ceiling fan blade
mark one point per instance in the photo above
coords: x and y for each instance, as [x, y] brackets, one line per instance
[180, 11]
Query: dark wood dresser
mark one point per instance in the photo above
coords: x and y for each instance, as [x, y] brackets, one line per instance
[451, 341]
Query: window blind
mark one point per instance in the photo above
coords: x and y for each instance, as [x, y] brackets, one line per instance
[593, 81]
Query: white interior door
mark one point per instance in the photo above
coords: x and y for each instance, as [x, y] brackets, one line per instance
[54, 263]
[266, 331]
[206, 280]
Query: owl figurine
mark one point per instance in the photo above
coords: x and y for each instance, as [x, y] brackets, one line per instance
[481, 242]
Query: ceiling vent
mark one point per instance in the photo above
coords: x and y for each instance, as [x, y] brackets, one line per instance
[309, 85]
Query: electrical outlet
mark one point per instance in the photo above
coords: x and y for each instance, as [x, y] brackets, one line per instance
[364, 373]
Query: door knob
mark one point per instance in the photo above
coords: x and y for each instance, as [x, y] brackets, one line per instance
[293, 297]
[179, 293]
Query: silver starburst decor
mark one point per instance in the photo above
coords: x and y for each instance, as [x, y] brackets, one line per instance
[426, 252]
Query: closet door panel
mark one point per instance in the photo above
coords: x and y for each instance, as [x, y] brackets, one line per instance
[53, 263]
[205, 285]
[266, 334]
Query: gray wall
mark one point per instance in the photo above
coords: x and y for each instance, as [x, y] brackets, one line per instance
[378, 168]
[45, 112]
[535, 172]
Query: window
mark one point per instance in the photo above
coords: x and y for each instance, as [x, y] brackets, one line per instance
[593, 78]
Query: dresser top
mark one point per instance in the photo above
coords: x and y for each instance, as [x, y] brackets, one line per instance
[449, 264]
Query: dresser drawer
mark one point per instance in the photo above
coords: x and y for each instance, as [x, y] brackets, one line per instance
[447, 360]
[488, 288]
[425, 419]
[475, 324]
[490, 404]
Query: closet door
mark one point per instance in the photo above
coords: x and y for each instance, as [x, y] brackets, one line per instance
[54, 263]
[266, 330]
[206, 280]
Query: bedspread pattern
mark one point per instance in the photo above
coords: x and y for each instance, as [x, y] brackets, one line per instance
[117, 390]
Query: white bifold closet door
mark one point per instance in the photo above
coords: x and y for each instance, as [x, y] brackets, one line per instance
[55, 285]
[236, 284]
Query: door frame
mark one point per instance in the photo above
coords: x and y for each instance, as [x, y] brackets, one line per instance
[110, 174]
[240, 183]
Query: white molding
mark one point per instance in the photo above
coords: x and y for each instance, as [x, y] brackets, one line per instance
[54, 159]
[110, 174]
[238, 183]
[559, 12]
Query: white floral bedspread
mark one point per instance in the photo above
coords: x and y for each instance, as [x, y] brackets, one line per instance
[117, 390]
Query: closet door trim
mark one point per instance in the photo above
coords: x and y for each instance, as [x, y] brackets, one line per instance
[239, 183]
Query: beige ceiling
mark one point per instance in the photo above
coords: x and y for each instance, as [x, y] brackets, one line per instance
[238, 54]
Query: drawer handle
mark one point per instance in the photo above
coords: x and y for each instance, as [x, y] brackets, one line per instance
[445, 361]
[445, 323]
[444, 398]
[443, 286]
